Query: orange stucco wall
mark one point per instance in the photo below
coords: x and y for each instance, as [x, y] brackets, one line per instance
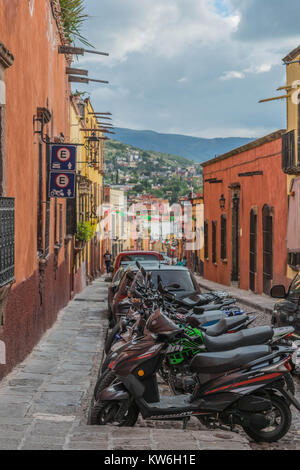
[255, 191]
[36, 79]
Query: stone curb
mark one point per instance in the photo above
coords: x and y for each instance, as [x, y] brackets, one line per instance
[242, 296]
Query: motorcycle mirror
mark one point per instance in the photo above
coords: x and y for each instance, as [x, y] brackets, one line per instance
[138, 264]
[143, 272]
[278, 292]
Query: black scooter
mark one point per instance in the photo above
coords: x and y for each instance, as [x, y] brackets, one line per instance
[243, 387]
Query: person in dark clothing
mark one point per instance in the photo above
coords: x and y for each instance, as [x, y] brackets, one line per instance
[107, 259]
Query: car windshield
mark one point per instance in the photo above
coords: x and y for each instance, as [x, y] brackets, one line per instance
[168, 277]
[295, 287]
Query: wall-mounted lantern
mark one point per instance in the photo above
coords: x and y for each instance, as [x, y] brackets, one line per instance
[222, 202]
[93, 149]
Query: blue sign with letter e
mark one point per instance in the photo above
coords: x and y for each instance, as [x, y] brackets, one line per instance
[63, 157]
[62, 185]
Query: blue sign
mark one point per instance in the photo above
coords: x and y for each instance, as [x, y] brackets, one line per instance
[62, 184]
[63, 157]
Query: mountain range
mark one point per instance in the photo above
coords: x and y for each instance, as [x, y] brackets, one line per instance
[194, 148]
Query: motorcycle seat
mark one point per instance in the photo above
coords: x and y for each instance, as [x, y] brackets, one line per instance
[251, 337]
[225, 325]
[219, 362]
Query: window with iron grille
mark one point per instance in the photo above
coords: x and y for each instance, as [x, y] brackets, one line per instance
[47, 229]
[223, 237]
[206, 240]
[47, 205]
[7, 240]
[60, 224]
[288, 151]
[214, 241]
[40, 237]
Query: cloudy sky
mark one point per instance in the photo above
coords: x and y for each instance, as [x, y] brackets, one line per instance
[194, 67]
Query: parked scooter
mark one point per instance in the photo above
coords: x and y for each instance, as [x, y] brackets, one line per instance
[243, 387]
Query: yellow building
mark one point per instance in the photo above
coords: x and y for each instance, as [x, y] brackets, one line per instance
[291, 156]
[85, 212]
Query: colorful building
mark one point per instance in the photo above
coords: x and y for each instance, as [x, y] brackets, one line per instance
[34, 107]
[245, 216]
[291, 158]
[84, 213]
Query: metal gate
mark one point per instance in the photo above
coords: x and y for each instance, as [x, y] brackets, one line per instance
[253, 249]
[7, 240]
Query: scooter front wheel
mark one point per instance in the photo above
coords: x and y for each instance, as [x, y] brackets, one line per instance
[279, 418]
[105, 412]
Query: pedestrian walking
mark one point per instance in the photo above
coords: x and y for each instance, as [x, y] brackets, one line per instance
[107, 259]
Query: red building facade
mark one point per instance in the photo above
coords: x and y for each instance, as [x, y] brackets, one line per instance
[34, 252]
[245, 216]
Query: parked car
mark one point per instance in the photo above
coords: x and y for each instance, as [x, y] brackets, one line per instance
[126, 257]
[287, 311]
[169, 275]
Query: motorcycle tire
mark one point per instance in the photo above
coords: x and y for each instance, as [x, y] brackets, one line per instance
[290, 385]
[111, 338]
[105, 380]
[282, 410]
[103, 413]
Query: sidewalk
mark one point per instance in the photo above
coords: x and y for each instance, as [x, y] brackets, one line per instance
[44, 402]
[262, 303]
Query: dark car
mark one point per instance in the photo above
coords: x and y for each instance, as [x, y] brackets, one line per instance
[180, 276]
[287, 311]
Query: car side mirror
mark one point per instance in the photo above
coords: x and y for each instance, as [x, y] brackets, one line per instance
[278, 292]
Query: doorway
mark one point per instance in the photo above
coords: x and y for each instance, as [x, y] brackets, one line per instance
[235, 271]
[253, 249]
[267, 214]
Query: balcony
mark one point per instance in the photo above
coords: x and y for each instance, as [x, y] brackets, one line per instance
[290, 155]
[7, 240]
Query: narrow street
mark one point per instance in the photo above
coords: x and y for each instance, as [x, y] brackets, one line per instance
[45, 400]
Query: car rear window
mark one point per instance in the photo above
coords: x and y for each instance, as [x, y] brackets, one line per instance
[130, 258]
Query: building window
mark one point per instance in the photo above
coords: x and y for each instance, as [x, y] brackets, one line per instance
[288, 151]
[214, 241]
[60, 224]
[7, 240]
[223, 237]
[206, 240]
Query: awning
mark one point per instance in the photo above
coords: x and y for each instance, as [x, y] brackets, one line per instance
[293, 232]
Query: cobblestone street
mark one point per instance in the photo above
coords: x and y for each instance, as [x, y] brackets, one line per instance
[44, 402]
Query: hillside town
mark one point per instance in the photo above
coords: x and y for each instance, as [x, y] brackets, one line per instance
[111, 254]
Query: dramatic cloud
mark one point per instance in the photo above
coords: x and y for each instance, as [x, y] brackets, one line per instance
[194, 67]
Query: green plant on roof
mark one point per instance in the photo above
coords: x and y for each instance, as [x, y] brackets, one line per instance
[73, 19]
